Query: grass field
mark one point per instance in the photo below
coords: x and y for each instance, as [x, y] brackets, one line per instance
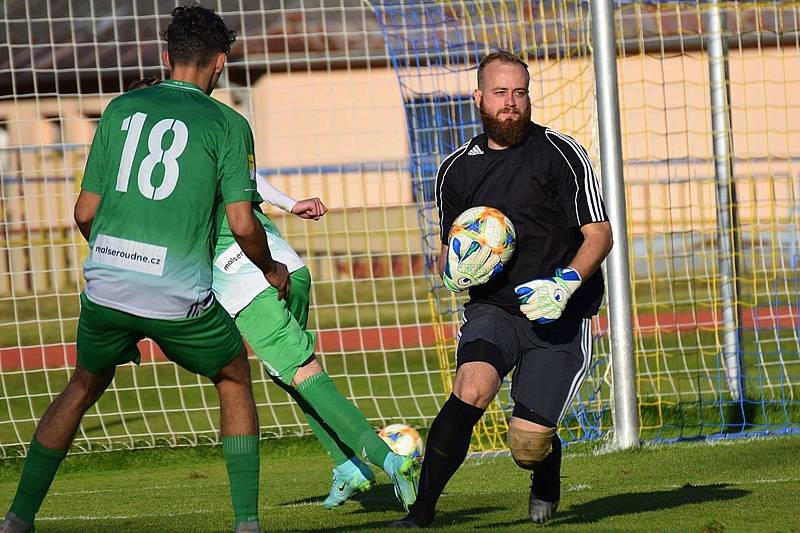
[740, 485]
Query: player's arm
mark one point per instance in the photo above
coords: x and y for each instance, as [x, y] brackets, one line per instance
[440, 262]
[252, 239]
[578, 193]
[237, 171]
[310, 208]
[597, 243]
[449, 202]
[85, 211]
[95, 173]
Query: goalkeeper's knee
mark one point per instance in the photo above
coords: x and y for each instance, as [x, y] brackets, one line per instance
[529, 448]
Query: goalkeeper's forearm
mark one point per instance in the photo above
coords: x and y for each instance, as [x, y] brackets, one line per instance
[442, 260]
[597, 242]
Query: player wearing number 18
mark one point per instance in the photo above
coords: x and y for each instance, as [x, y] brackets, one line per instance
[166, 164]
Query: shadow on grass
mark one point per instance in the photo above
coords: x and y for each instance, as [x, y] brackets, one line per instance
[452, 519]
[378, 499]
[112, 423]
[638, 502]
[381, 498]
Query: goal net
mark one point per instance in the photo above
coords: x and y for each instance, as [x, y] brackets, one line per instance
[357, 102]
[678, 252]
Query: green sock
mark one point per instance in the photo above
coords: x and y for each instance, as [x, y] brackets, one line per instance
[343, 417]
[242, 461]
[338, 451]
[37, 475]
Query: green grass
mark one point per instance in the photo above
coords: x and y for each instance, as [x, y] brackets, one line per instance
[742, 485]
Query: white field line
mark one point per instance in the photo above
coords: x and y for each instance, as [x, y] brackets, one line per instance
[578, 487]
[475, 461]
[120, 517]
[112, 491]
[570, 488]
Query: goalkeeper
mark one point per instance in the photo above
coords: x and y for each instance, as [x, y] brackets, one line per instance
[534, 317]
[274, 326]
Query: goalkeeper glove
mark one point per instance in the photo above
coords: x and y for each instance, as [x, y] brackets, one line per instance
[469, 267]
[543, 300]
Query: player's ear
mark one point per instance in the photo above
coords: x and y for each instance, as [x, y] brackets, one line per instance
[220, 63]
[165, 59]
[477, 95]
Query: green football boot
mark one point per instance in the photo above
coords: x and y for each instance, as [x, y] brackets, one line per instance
[347, 480]
[404, 473]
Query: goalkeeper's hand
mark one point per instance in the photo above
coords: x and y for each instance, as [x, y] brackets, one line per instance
[468, 268]
[543, 300]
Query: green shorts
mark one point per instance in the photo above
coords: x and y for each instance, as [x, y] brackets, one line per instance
[204, 344]
[276, 329]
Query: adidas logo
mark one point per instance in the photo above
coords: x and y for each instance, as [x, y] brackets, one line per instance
[475, 150]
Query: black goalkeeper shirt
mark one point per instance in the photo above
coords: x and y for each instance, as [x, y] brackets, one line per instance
[547, 187]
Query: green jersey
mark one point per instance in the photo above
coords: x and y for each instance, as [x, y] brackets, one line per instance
[237, 281]
[164, 160]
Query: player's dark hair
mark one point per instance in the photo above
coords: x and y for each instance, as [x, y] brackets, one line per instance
[503, 56]
[142, 83]
[195, 35]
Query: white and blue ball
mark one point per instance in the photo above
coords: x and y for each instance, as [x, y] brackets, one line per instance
[403, 440]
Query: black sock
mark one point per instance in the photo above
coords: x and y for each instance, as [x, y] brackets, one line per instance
[445, 450]
[546, 477]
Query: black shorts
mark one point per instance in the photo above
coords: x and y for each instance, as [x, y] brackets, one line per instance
[550, 361]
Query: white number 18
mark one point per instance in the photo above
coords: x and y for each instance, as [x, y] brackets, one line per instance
[169, 157]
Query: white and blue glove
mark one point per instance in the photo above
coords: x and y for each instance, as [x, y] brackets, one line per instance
[469, 267]
[543, 300]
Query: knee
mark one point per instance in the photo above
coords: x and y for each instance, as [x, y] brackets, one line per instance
[85, 388]
[529, 448]
[476, 383]
[475, 394]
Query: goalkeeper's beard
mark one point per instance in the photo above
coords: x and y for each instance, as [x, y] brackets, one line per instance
[506, 132]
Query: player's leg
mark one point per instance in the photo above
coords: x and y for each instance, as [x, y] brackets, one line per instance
[286, 350]
[101, 344]
[554, 365]
[350, 474]
[485, 353]
[535, 446]
[282, 348]
[350, 425]
[52, 439]
[210, 345]
[239, 428]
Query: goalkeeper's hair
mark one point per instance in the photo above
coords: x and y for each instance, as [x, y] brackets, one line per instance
[195, 35]
[504, 56]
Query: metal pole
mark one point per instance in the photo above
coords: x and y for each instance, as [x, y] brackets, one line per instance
[626, 412]
[727, 224]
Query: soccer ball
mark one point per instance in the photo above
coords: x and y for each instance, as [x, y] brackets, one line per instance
[403, 440]
[480, 243]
